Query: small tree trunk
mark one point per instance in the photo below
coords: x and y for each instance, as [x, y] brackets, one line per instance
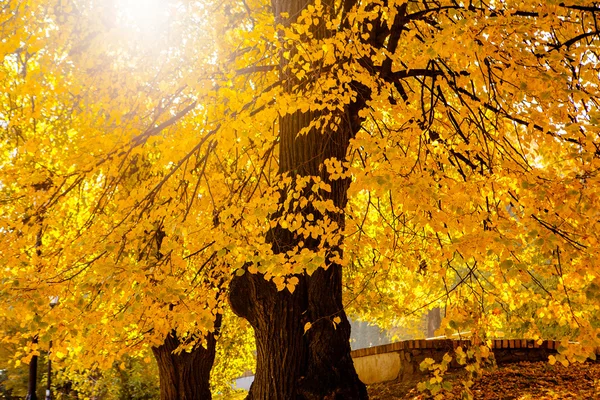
[31, 385]
[434, 321]
[185, 376]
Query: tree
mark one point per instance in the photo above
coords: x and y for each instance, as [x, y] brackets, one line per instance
[78, 189]
[432, 152]
[436, 102]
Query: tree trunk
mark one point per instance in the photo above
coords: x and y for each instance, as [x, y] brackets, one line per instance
[31, 385]
[185, 376]
[330, 372]
[292, 364]
[278, 330]
[434, 321]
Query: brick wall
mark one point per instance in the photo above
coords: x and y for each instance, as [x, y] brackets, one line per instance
[401, 360]
[449, 344]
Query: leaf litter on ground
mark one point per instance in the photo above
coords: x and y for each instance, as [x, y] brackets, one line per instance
[519, 381]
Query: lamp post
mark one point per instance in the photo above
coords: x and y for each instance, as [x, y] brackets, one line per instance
[53, 303]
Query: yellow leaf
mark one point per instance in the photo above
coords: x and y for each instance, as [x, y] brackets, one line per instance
[307, 326]
[279, 282]
[485, 351]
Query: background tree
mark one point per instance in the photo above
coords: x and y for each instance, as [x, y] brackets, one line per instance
[97, 207]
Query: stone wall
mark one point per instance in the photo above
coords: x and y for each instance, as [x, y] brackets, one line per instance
[401, 360]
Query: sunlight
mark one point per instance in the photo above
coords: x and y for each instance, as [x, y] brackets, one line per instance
[144, 15]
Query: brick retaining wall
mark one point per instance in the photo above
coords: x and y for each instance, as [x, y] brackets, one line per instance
[401, 360]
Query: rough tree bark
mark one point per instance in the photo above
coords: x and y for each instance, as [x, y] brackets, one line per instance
[290, 363]
[186, 375]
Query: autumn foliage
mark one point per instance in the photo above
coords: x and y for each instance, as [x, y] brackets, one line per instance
[377, 158]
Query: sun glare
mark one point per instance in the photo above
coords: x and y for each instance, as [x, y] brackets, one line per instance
[142, 14]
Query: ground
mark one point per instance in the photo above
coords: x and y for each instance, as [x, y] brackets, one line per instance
[521, 381]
